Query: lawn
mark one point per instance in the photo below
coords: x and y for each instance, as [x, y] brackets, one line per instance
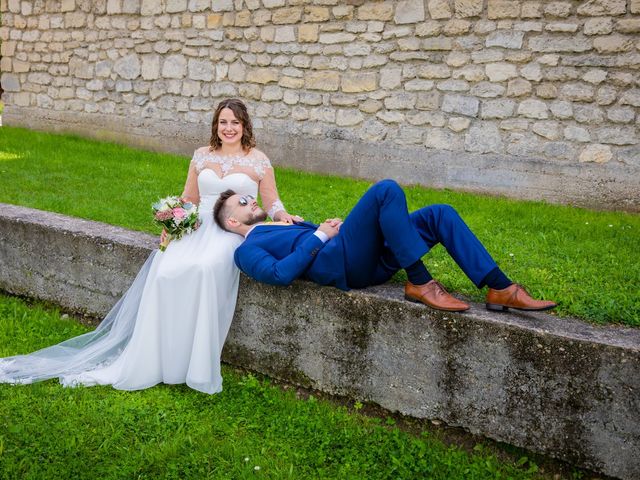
[250, 430]
[586, 260]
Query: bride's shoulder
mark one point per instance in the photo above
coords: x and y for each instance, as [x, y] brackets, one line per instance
[203, 150]
[257, 155]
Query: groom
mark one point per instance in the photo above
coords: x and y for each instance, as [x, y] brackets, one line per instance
[378, 238]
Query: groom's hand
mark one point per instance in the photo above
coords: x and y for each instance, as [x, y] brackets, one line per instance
[330, 227]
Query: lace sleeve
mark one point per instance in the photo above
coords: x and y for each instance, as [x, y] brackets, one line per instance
[269, 191]
[198, 160]
[191, 191]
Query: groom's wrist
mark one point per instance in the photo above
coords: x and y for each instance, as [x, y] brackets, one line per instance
[322, 236]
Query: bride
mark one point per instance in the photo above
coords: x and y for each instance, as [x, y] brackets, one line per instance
[171, 324]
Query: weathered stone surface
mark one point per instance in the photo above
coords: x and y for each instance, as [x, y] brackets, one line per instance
[598, 26]
[628, 25]
[596, 8]
[382, 11]
[501, 108]
[499, 72]
[400, 101]
[613, 44]
[621, 114]
[434, 71]
[174, 66]
[505, 39]
[549, 44]
[558, 9]
[128, 67]
[577, 134]
[409, 11]
[578, 92]
[328, 81]
[467, 8]
[460, 104]
[483, 137]
[439, 9]
[359, 82]
[596, 153]
[349, 118]
[533, 109]
[631, 97]
[498, 9]
[518, 87]
[617, 135]
[547, 129]
[200, 70]
[459, 124]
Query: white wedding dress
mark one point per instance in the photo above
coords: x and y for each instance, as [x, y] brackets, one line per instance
[171, 324]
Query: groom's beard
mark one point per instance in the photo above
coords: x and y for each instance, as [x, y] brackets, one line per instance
[258, 217]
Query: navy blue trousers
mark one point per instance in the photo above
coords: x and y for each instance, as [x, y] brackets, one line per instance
[380, 237]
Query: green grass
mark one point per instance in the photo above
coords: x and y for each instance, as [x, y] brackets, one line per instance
[586, 260]
[47, 431]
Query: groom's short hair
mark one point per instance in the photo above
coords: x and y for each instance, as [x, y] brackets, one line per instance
[220, 209]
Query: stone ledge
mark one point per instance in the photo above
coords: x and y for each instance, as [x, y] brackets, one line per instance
[556, 386]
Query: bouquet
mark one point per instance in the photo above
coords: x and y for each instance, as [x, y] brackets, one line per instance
[177, 217]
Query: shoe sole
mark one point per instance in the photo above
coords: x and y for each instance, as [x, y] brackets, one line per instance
[494, 307]
[415, 300]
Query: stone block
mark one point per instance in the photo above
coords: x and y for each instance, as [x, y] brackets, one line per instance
[382, 11]
[576, 134]
[598, 26]
[621, 114]
[67, 5]
[617, 135]
[221, 5]
[531, 9]
[336, 37]
[348, 118]
[533, 109]
[518, 87]
[547, 90]
[390, 77]
[588, 113]
[497, 109]
[558, 9]
[483, 137]
[175, 6]
[285, 34]
[286, 15]
[596, 153]
[547, 129]
[418, 85]
[499, 72]
[150, 7]
[462, 105]
[114, 7]
[634, 6]
[467, 8]
[597, 8]
[532, 71]
[434, 71]
[400, 101]
[200, 70]
[563, 27]
[578, 92]
[487, 90]
[505, 39]
[439, 43]
[359, 82]
[547, 44]
[17, 66]
[499, 9]
[628, 25]
[439, 9]
[409, 11]
[131, 6]
[453, 86]
[613, 44]
[75, 20]
[174, 66]
[442, 139]
[631, 97]
[325, 80]
[458, 124]
[456, 27]
[150, 67]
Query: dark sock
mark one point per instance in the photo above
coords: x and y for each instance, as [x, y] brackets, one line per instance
[496, 279]
[418, 273]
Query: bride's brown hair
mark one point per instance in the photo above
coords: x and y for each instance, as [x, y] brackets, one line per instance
[240, 111]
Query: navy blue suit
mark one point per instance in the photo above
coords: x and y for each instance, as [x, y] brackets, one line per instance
[377, 238]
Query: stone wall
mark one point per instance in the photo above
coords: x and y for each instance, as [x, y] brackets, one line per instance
[556, 386]
[538, 99]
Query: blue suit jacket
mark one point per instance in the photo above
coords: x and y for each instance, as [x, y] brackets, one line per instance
[279, 254]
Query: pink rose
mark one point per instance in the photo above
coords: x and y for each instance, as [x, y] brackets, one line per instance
[179, 212]
[164, 215]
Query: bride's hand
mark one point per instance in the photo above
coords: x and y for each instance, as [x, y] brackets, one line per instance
[287, 217]
[163, 236]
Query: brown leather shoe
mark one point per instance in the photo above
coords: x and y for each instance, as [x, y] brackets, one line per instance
[515, 296]
[433, 295]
